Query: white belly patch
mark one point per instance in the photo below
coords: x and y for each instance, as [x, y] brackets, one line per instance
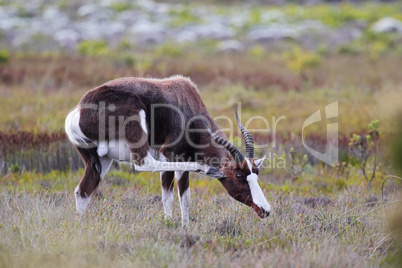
[115, 149]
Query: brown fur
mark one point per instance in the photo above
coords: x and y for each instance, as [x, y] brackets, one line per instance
[183, 183]
[238, 188]
[130, 96]
[92, 173]
[167, 180]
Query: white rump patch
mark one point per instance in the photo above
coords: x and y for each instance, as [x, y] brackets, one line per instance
[73, 130]
[143, 121]
[256, 193]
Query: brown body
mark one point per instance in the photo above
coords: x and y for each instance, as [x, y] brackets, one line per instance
[166, 116]
[134, 94]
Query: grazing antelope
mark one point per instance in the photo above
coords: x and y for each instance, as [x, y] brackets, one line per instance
[160, 125]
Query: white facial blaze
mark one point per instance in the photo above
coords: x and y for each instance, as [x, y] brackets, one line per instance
[81, 203]
[256, 193]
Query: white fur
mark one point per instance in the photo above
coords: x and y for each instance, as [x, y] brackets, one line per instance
[103, 148]
[157, 155]
[258, 162]
[177, 77]
[256, 193]
[143, 121]
[81, 203]
[73, 130]
[185, 207]
[106, 163]
[167, 200]
[119, 150]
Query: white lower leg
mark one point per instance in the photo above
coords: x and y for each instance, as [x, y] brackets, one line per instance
[167, 200]
[185, 207]
[81, 203]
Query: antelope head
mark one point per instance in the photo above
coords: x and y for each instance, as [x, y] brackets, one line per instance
[240, 176]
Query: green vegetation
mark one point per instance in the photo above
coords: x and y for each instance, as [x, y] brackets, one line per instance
[366, 149]
[297, 163]
[39, 90]
[4, 56]
[93, 48]
[121, 6]
[338, 15]
[298, 60]
[184, 15]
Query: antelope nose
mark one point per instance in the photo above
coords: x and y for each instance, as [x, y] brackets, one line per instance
[264, 213]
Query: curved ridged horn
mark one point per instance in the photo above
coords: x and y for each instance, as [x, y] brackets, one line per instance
[247, 138]
[237, 155]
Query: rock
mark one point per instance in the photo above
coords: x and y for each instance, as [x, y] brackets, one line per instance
[67, 38]
[272, 32]
[213, 31]
[345, 36]
[330, 38]
[278, 31]
[145, 31]
[239, 19]
[86, 10]
[185, 36]
[147, 5]
[386, 25]
[51, 13]
[271, 15]
[229, 46]
[129, 17]
[152, 22]
[89, 30]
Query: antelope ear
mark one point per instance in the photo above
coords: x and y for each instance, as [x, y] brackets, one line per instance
[258, 162]
[215, 173]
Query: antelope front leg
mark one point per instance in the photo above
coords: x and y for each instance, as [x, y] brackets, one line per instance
[183, 184]
[167, 181]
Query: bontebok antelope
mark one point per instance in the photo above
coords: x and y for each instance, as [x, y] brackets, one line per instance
[160, 125]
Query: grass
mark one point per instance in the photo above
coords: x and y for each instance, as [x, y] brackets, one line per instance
[125, 227]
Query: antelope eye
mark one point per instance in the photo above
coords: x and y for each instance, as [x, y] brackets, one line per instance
[239, 176]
